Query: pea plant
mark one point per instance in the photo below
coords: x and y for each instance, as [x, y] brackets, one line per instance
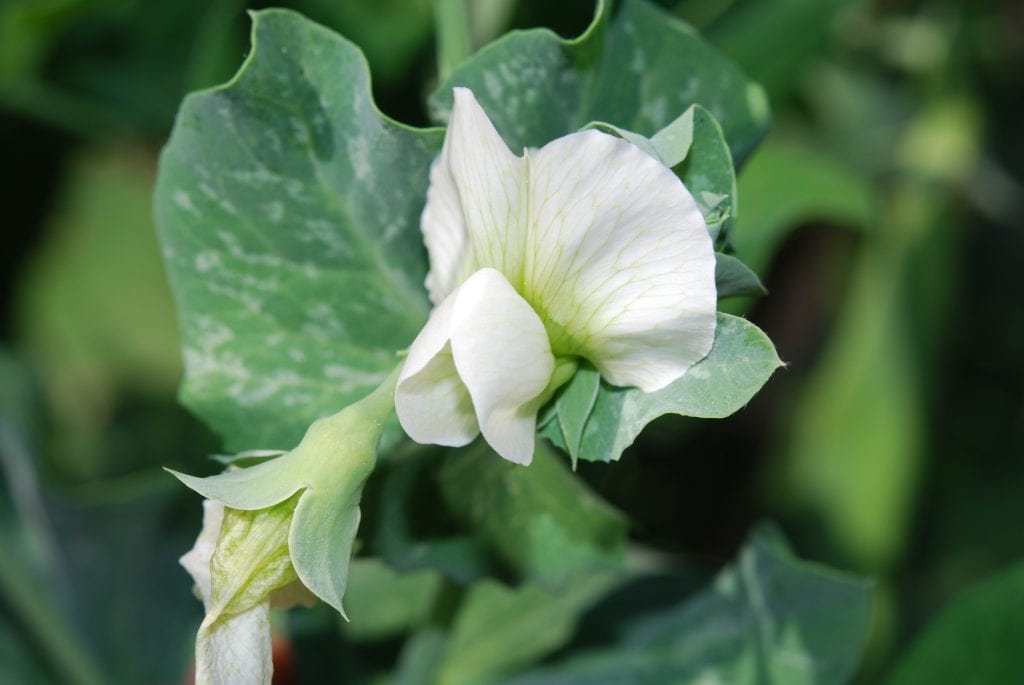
[438, 324]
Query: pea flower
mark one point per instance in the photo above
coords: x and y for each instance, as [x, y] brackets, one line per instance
[585, 249]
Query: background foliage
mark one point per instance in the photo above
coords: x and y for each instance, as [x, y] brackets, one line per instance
[883, 213]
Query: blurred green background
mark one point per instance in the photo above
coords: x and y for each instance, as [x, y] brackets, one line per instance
[885, 213]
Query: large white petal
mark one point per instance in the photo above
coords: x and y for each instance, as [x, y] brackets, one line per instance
[234, 650]
[620, 264]
[485, 341]
[476, 201]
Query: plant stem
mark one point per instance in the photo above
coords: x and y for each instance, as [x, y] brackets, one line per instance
[451, 20]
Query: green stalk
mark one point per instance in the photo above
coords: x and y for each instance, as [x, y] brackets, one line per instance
[451, 21]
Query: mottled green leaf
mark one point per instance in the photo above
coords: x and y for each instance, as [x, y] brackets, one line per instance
[393, 34]
[288, 208]
[541, 520]
[769, 619]
[638, 70]
[976, 639]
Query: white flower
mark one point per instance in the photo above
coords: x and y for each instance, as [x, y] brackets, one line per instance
[587, 248]
[238, 649]
[234, 648]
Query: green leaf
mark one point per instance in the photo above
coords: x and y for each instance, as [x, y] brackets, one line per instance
[785, 184]
[288, 208]
[638, 71]
[769, 619]
[859, 434]
[102, 250]
[393, 34]
[740, 362]
[397, 536]
[542, 520]
[976, 639]
[383, 603]
[777, 59]
[499, 628]
[733, 278]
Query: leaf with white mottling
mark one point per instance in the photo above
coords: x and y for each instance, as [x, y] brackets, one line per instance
[288, 208]
[768, 619]
[638, 70]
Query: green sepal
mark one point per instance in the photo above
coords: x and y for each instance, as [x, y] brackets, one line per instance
[329, 467]
[669, 146]
[710, 175]
[739, 363]
[733, 278]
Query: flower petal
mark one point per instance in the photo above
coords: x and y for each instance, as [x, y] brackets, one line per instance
[620, 265]
[235, 649]
[197, 560]
[486, 344]
[502, 353]
[432, 403]
[475, 203]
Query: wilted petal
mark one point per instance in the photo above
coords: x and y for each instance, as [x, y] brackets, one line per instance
[237, 649]
[484, 354]
[474, 215]
[620, 265]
